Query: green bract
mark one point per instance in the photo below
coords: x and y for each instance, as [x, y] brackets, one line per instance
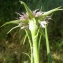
[28, 10]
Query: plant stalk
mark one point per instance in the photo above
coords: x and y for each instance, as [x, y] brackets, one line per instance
[33, 28]
[31, 54]
[47, 46]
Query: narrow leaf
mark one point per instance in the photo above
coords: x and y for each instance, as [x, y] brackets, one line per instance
[15, 22]
[12, 29]
[27, 55]
[48, 13]
[24, 39]
[29, 37]
[28, 10]
[51, 11]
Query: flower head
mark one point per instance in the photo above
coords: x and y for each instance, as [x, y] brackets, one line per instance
[24, 18]
[36, 13]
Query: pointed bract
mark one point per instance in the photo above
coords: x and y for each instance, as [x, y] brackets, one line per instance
[15, 22]
[28, 10]
[41, 17]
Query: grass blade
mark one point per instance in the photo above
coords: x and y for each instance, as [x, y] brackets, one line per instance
[28, 10]
[47, 46]
[15, 22]
[12, 29]
[43, 16]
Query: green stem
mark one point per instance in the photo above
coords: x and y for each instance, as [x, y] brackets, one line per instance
[33, 28]
[47, 46]
[30, 46]
[35, 52]
[31, 54]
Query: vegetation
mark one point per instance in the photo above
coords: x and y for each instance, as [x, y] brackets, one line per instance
[14, 46]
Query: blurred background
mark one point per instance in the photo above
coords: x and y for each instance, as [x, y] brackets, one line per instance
[11, 45]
